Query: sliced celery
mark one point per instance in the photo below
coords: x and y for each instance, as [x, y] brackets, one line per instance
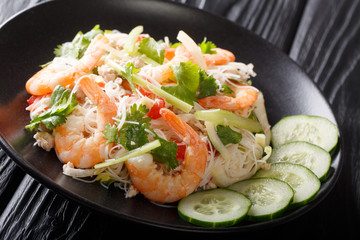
[226, 118]
[133, 153]
[176, 102]
[131, 40]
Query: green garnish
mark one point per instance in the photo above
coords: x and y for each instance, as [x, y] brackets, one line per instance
[207, 47]
[227, 135]
[154, 89]
[134, 134]
[77, 47]
[130, 44]
[207, 85]
[152, 49]
[187, 77]
[62, 103]
[128, 73]
[133, 153]
[226, 118]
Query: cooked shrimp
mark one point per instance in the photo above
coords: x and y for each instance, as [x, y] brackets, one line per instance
[163, 72]
[72, 143]
[44, 81]
[244, 97]
[159, 186]
[221, 57]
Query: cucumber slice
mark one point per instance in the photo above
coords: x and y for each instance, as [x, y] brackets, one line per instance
[309, 155]
[314, 129]
[270, 197]
[304, 182]
[214, 208]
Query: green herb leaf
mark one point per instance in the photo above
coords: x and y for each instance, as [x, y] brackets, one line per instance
[188, 78]
[207, 86]
[207, 46]
[134, 134]
[166, 154]
[62, 103]
[111, 134]
[227, 135]
[152, 49]
[77, 47]
[128, 74]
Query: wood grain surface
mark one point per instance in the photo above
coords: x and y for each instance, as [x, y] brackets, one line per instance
[322, 36]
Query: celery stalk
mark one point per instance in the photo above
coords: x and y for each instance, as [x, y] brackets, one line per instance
[154, 89]
[133, 153]
[226, 118]
[131, 40]
[167, 96]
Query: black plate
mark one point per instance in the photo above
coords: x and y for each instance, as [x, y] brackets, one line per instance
[28, 39]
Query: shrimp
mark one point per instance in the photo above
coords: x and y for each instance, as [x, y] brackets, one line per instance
[163, 72]
[244, 97]
[44, 81]
[72, 143]
[221, 57]
[163, 187]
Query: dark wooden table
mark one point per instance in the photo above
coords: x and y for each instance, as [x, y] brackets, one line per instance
[322, 36]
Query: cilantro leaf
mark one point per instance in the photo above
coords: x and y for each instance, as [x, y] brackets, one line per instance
[134, 134]
[152, 49]
[227, 135]
[207, 85]
[111, 134]
[207, 46]
[77, 47]
[128, 74]
[166, 154]
[188, 78]
[62, 103]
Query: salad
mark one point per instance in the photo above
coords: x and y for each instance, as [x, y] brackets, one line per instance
[173, 121]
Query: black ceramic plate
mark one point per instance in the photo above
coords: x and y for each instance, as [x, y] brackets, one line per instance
[28, 39]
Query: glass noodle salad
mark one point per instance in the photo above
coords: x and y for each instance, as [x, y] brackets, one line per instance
[152, 117]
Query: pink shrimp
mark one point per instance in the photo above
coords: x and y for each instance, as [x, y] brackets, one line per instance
[72, 143]
[159, 186]
[163, 72]
[44, 81]
[244, 97]
[221, 57]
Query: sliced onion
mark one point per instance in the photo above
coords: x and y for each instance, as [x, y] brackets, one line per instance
[193, 48]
